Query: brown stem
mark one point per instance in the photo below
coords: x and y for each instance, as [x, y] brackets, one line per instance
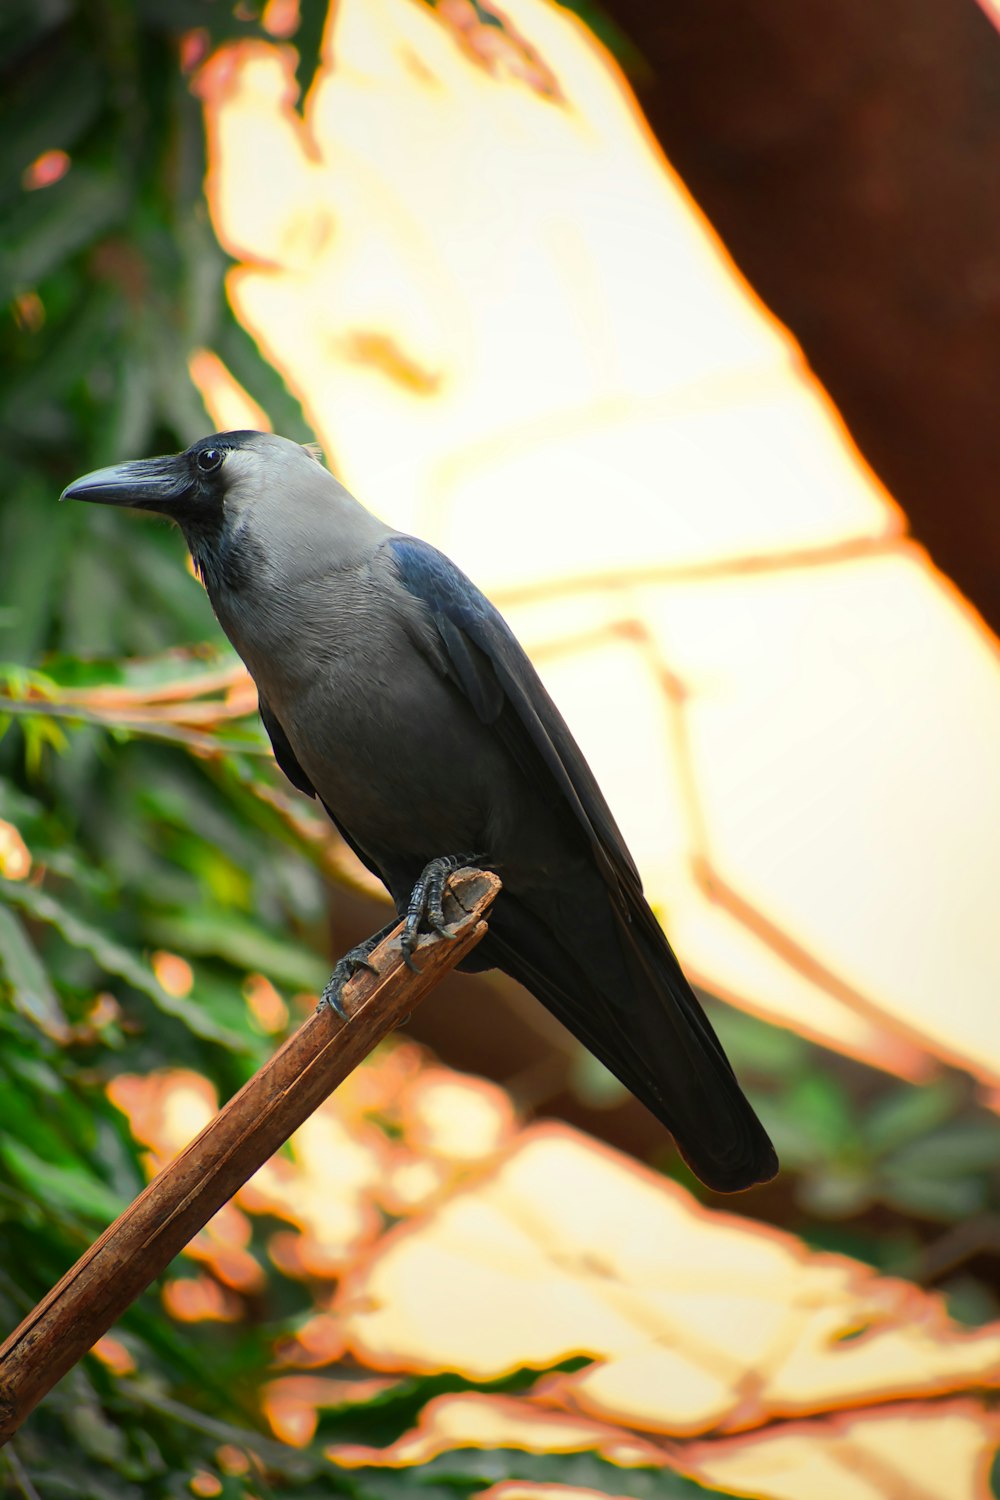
[244, 1134]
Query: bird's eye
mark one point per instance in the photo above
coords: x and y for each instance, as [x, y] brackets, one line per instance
[209, 459]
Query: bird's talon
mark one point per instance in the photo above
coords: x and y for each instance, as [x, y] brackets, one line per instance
[344, 971]
[330, 1000]
[426, 905]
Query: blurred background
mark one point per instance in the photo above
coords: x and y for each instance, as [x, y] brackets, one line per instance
[679, 329]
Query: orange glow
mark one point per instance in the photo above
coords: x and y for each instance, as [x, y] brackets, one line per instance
[280, 18]
[519, 1489]
[199, 1299]
[511, 327]
[104, 1011]
[339, 1173]
[463, 1119]
[205, 1485]
[165, 1110]
[173, 972]
[319, 1341]
[474, 1421]
[194, 46]
[233, 409]
[113, 1353]
[15, 860]
[265, 1004]
[922, 1452]
[29, 311]
[721, 1348]
[693, 1321]
[45, 170]
[293, 1402]
[232, 1460]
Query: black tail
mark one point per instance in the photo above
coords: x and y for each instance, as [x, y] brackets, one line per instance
[618, 987]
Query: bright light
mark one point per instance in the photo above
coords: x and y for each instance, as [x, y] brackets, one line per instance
[516, 336]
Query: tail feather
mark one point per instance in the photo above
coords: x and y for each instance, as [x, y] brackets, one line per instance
[616, 984]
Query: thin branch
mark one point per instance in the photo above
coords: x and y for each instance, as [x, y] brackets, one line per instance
[260, 1118]
[149, 728]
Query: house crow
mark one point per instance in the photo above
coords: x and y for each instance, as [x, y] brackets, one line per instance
[394, 692]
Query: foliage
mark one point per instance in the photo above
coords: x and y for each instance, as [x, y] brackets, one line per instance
[145, 826]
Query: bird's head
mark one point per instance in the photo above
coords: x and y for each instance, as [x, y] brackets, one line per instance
[195, 488]
[245, 501]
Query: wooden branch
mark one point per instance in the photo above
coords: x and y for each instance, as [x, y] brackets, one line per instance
[256, 1121]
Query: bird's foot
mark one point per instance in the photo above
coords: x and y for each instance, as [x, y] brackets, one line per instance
[425, 908]
[351, 963]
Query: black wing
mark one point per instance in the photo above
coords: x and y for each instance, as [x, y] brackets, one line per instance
[647, 1024]
[288, 762]
[485, 659]
[283, 752]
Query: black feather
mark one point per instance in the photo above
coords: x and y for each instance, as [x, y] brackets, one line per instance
[594, 954]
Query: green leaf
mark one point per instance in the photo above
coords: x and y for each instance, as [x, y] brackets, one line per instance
[71, 1188]
[592, 1083]
[308, 39]
[114, 958]
[469, 1470]
[908, 1112]
[224, 934]
[48, 226]
[959, 1147]
[49, 107]
[755, 1046]
[934, 1197]
[835, 1192]
[31, 991]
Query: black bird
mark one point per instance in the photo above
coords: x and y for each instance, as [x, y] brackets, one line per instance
[394, 691]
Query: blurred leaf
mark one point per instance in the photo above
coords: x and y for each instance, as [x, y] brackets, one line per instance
[31, 991]
[907, 1112]
[75, 1190]
[466, 1470]
[934, 1197]
[226, 935]
[114, 959]
[835, 1194]
[47, 227]
[960, 1146]
[591, 1081]
[50, 105]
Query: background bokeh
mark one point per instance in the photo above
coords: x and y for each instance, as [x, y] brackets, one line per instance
[444, 240]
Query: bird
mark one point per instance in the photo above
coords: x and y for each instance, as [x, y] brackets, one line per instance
[394, 691]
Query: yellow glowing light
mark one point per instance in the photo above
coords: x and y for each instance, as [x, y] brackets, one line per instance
[265, 1004]
[15, 859]
[113, 1353]
[520, 1489]
[198, 1299]
[233, 409]
[232, 1460]
[464, 1119]
[923, 1451]
[205, 1485]
[474, 1421]
[174, 973]
[514, 332]
[280, 18]
[292, 1402]
[694, 1321]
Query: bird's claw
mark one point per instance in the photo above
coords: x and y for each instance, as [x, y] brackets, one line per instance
[353, 962]
[426, 904]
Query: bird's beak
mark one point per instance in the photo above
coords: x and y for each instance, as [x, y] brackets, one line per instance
[145, 484]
